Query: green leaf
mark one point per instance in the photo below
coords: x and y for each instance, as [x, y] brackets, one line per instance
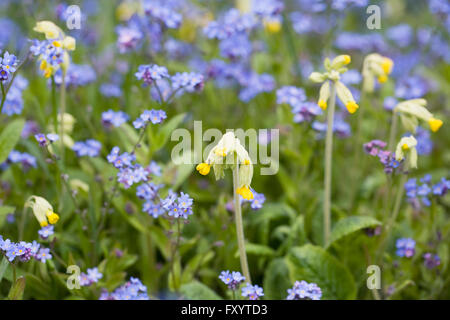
[3, 266]
[257, 250]
[16, 292]
[198, 291]
[315, 264]
[276, 280]
[9, 138]
[349, 225]
[4, 211]
[165, 131]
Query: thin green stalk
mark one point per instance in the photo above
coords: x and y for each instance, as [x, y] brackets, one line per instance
[394, 214]
[54, 106]
[328, 172]
[393, 133]
[291, 45]
[3, 96]
[62, 112]
[239, 226]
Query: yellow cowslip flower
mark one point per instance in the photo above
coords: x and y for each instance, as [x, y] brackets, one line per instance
[43, 210]
[413, 110]
[346, 97]
[223, 156]
[51, 30]
[272, 26]
[407, 146]
[334, 68]
[375, 66]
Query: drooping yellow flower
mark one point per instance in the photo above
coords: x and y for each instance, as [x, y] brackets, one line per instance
[224, 155]
[407, 148]
[413, 110]
[43, 210]
[375, 66]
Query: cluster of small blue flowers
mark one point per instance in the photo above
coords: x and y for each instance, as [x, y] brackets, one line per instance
[42, 139]
[341, 128]
[113, 118]
[27, 160]
[49, 54]
[303, 110]
[132, 290]
[153, 116]
[149, 73]
[8, 64]
[431, 260]
[303, 290]
[76, 75]
[180, 82]
[405, 247]
[46, 232]
[418, 194]
[164, 12]
[129, 172]
[90, 148]
[232, 279]
[387, 158]
[129, 37]
[92, 276]
[14, 102]
[252, 292]
[257, 202]
[178, 205]
[24, 251]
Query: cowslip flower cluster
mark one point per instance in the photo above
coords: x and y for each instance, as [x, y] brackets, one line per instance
[92, 276]
[252, 292]
[387, 158]
[90, 148]
[405, 247]
[232, 279]
[333, 70]
[131, 290]
[8, 65]
[153, 116]
[303, 290]
[52, 52]
[113, 118]
[301, 109]
[43, 210]
[431, 260]
[24, 251]
[411, 111]
[221, 157]
[378, 67]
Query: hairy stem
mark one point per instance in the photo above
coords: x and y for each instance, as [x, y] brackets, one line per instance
[239, 226]
[328, 172]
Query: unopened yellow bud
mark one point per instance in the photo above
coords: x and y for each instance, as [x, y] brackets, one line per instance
[405, 146]
[387, 65]
[245, 192]
[382, 79]
[272, 26]
[435, 124]
[322, 104]
[347, 59]
[352, 106]
[203, 168]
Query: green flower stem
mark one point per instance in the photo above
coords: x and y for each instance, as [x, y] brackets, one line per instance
[62, 112]
[54, 106]
[328, 159]
[394, 214]
[393, 133]
[239, 227]
[3, 96]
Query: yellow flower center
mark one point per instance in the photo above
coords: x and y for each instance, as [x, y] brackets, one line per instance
[352, 106]
[245, 192]
[435, 124]
[203, 168]
[322, 104]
